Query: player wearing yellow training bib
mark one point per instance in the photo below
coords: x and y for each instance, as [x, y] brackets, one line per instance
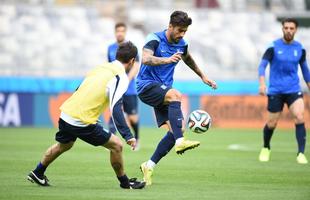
[102, 87]
[92, 96]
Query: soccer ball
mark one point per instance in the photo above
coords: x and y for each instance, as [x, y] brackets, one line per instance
[199, 121]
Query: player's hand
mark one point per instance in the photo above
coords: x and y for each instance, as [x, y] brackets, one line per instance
[132, 142]
[209, 82]
[174, 58]
[262, 90]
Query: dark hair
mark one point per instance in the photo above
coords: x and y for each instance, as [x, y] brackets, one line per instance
[126, 51]
[180, 18]
[120, 24]
[290, 20]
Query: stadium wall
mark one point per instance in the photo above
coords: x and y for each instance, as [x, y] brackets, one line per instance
[35, 102]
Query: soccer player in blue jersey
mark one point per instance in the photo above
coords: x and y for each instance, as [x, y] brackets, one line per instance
[130, 99]
[103, 87]
[284, 56]
[161, 53]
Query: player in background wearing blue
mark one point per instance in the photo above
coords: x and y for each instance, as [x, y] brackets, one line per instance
[130, 99]
[161, 53]
[284, 56]
[102, 87]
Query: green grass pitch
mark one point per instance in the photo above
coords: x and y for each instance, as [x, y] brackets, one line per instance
[225, 166]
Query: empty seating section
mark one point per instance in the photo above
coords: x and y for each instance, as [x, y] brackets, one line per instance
[60, 41]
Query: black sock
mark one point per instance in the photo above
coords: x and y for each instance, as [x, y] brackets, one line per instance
[300, 137]
[40, 169]
[175, 117]
[124, 181]
[267, 136]
[163, 147]
[135, 127]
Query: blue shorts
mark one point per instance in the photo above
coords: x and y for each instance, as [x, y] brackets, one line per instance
[276, 101]
[130, 104]
[154, 95]
[93, 134]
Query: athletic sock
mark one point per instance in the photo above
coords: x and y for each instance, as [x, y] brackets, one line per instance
[179, 140]
[150, 164]
[175, 117]
[163, 147]
[135, 127]
[301, 137]
[40, 169]
[124, 181]
[267, 136]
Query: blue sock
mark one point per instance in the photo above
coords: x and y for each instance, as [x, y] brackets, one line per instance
[112, 128]
[301, 137]
[163, 147]
[175, 117]
[40, 169]
[267, 136]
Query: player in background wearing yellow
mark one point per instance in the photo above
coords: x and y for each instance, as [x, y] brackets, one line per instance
[102, 87]
[130, 98]
[284, 56]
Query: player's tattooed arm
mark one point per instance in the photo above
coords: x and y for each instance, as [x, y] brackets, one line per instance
[189, 61]
[148, 58]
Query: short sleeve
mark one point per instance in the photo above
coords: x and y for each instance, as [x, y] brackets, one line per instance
[268, 55]
[152, 45]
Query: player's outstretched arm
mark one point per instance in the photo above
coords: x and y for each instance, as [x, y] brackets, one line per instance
[189, 61]
[121, 125]
[148, 58]
[117, 87]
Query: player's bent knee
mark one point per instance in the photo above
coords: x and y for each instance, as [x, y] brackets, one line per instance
[272, 124]
[299, 119]
[119, 147]
[116, 144]
[173, 95]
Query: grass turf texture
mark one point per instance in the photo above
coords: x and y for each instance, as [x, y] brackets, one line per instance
[212, 171]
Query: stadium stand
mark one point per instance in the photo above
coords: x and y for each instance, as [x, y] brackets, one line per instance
[66, 41]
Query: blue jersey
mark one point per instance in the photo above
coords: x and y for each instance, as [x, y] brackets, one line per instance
[284, 59]
[158, 43]
[111, 57]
